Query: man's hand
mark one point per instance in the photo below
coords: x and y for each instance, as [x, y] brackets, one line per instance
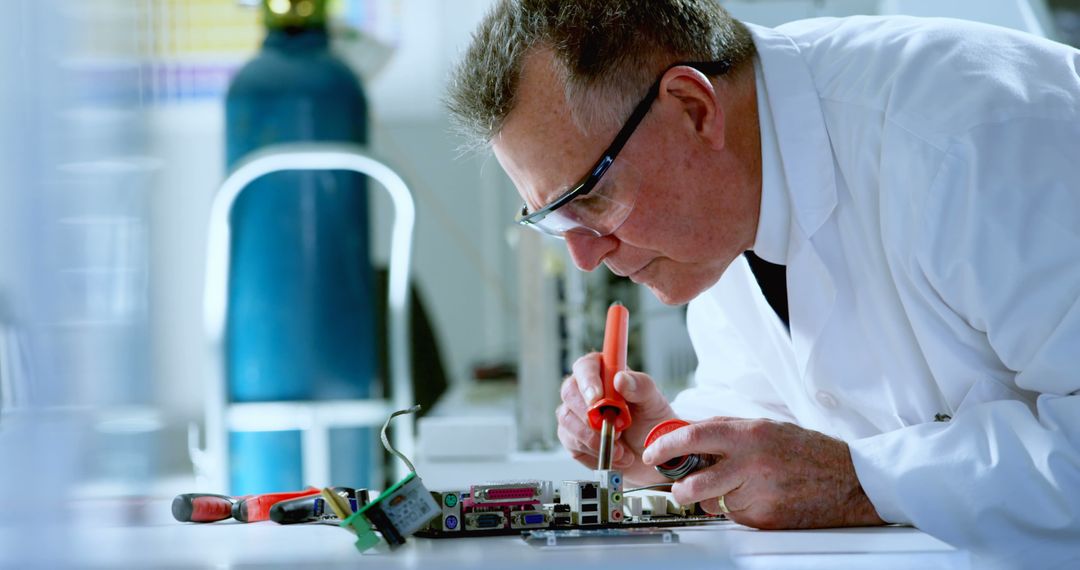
[647, 408]
[771, 475]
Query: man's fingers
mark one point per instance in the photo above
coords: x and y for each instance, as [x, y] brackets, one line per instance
[585, 438]
[568, 387]
[583, 442]
[732, 500]
[639, 389]
[708, 437]
[573, 444]
[622, 457]
[584, 459]
[635, 386]
[723, 419]
[571, 398]
[587, 375]
[706, 485]
[712, 506]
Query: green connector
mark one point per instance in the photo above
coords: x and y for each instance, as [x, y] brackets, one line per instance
[365, 534]
[397, 513]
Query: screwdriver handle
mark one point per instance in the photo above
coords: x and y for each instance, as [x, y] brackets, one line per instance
[202, 507]
[612, 361]
[257, 507]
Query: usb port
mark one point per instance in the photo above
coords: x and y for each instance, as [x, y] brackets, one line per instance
[590, 508]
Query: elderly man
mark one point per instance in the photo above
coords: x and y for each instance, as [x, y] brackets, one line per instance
[920, 181]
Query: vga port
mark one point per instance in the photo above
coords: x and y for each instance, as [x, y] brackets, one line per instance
[528, 519]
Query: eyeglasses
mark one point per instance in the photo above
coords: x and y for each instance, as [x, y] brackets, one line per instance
[599, 204]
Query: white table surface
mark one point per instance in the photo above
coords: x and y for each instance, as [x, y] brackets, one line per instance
[140, 533]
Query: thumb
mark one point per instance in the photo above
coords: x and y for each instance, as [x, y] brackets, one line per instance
[637, 387]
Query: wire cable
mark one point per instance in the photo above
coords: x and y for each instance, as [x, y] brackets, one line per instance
[386, 440]
[655, 487]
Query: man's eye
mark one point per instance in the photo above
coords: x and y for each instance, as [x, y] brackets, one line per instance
[585, 205]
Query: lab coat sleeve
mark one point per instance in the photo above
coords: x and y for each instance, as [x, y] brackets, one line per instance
[739, 342]
[1000, 253]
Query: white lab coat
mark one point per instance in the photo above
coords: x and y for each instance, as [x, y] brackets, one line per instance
[921, 182]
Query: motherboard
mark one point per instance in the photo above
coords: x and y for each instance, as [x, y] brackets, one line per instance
[513, 507]
[408, 508]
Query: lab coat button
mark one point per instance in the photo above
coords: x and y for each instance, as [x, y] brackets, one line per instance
[826, 399]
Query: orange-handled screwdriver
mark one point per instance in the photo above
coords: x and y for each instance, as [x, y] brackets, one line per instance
[610, 414]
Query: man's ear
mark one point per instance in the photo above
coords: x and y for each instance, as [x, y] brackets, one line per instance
[698, 103]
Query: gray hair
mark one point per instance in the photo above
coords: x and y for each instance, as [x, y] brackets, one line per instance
[607, 51]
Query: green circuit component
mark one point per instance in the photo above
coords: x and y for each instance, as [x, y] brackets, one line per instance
[397, 513]
[365, 533]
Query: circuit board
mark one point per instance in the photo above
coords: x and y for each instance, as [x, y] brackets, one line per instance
[505, 508]
[596, 507]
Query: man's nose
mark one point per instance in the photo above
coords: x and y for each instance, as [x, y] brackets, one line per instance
[588, 251]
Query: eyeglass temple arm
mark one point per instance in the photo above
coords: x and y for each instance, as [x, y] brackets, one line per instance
[643, 106]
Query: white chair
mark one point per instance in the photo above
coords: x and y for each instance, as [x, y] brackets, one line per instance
[314, 419]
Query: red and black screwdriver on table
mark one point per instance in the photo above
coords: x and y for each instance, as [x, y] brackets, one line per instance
[610, 414]
[290, 507]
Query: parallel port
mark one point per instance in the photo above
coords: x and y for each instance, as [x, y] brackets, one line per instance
[505, 492]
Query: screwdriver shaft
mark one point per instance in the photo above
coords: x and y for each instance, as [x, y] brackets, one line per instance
[607, 442]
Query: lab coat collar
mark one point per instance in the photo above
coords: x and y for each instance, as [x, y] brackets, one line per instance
[805, 161]
[799, 129]
[774, 219]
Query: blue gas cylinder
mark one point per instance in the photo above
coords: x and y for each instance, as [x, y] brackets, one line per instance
[301, 307]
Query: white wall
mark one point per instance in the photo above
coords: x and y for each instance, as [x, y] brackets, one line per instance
[463, 264]
[1026, 15]
[776, 12]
